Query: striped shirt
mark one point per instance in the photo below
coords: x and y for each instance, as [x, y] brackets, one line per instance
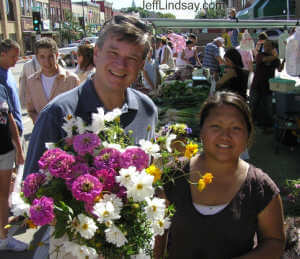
[212, 51]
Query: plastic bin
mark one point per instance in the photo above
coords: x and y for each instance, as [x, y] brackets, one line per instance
[287, 103]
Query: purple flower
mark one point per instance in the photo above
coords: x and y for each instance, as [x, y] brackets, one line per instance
[42, 211]
[48, 156]
[107, 177]
[86, 188]
[297, 185]
[61, 165]
[108, 158]
[86, 143]
[188, 131]
[79, 168]
[134, 157]
[32, 183]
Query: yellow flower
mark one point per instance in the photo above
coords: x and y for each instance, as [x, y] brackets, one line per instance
[190, 150]
[156, 172]
[30, 224]
[207, 177]
[201, 185]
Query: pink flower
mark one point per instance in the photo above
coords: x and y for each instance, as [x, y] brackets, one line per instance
[134, 157]
[86, 143]
[48, 156]
[86, 188]
[42, 211]
[297, 185]
[32, 183]
[61, 165]
[107, 177]
[108, 158]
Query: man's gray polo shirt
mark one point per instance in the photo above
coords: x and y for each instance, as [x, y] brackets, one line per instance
[138, 113]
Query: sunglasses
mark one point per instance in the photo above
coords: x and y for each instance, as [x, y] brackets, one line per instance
[120, 19]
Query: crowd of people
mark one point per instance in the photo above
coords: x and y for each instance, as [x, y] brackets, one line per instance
[240, 215]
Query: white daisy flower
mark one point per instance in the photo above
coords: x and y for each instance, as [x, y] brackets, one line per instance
[111, 116]
[19, 207]
[126, 175]
[169, 140]
[69, 124]
[115, 200]
[159, 226]
[80, 251]
[115, 236]
[141, 186]
[150, 148]
[155, 208]
[86, 227]
[80, 125]
[97, 124]
[50, 145]
[105, 211]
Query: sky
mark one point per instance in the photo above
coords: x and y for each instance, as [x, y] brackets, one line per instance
[184, 9]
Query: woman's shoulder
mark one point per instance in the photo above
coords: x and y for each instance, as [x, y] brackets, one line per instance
[261, 179]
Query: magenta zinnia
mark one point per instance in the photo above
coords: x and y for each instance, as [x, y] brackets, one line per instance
[61, 165]
[107, 177]
[48, 156]
[108, 158]
[42, 211]
[86, 187]
[134, 157]
[86, 143]
[32, 183]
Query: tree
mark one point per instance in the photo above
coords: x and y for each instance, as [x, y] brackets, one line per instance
[71, 29]
[214, 10]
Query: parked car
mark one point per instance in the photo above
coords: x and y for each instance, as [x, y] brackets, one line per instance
[91, 40]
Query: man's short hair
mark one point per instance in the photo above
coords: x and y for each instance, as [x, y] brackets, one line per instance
[126, 28]
[192, 36]
[6, 45]
[46, 43]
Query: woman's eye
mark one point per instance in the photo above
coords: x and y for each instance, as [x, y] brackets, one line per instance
[237, 128]
[215, 126]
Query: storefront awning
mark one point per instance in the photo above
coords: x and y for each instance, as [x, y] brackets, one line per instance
[218, 23]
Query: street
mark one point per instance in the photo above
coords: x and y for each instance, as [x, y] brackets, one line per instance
[36, 251]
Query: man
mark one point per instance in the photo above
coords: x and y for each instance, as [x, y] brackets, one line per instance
[282, 40]
[50, 81]
[9, 55]
[212, 57]
[260, 94]
[119, 55]
[29, 68]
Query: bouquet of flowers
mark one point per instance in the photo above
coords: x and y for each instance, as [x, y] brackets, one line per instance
[97, 189]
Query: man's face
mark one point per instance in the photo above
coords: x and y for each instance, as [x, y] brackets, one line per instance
[48, 60]
[10, 58]
[117, 64]
[192, 40]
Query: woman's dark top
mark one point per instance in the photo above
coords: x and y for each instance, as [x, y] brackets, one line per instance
[226, 234]
[238, 84]
[6, 143]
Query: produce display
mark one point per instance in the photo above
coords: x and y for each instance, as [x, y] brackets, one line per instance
[180, 101]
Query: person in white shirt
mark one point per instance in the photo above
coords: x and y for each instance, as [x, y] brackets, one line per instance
[50, 81]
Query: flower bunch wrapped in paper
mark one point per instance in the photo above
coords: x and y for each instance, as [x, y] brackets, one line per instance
[97, 188]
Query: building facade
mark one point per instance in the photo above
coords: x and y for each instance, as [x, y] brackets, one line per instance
[106, 8]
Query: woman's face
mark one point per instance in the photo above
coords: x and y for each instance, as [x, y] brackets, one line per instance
[224, 134]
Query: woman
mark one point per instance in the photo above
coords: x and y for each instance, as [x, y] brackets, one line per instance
[242, 201]
[10, 151]
[85, 61]
[151, 77]
[166, 56]
[189, 52]
[235, 78]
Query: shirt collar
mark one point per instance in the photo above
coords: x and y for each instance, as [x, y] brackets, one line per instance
[89, 93]
[62, 73]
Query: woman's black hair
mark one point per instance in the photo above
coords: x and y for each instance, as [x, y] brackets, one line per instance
[235, 57]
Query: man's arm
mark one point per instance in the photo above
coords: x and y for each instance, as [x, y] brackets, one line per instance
[48, 128]
[33, 114]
